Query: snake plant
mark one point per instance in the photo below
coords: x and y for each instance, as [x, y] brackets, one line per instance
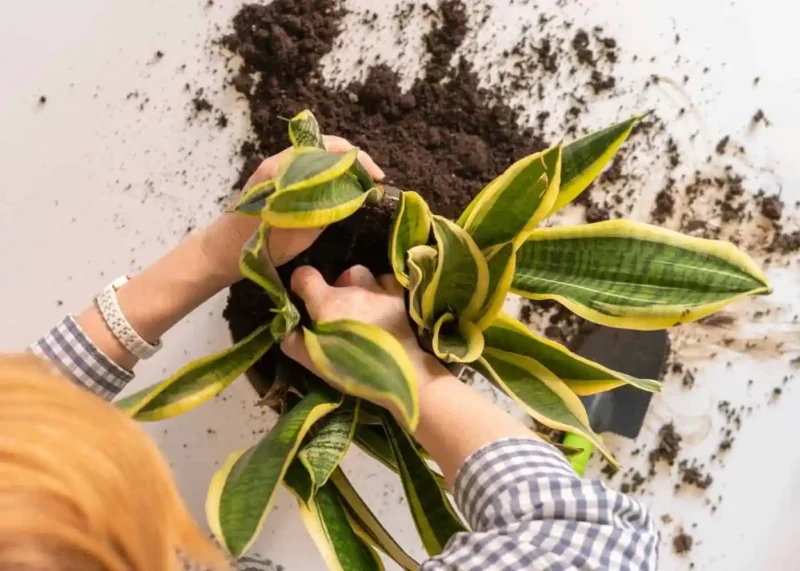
[458, 273]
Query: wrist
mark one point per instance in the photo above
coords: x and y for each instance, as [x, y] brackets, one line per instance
[219, 247]
[428, 368]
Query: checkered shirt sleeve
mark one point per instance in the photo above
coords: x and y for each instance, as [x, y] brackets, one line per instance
[68, 348]
[529, 510]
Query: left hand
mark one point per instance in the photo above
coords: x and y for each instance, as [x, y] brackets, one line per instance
[222, 241]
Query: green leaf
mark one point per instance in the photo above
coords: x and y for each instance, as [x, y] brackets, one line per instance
[585, 158]
[241, 492]
[364, 361]
[434, 517]
[360, 512]
[256, 265]
[373, 441]
[421, 268]
[306, 167]
[317, 206]
[456, 341]
[254, 199]
[321, 456]
[543, 395]
[628, 274]
[514, 203]
[460, 282]
[304, 131]
[364, 181]
[582, 376]
[411, 227]
[199, 381]
[327, 522]
[501, 261]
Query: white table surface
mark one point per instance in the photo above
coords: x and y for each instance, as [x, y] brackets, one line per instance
[92, 186]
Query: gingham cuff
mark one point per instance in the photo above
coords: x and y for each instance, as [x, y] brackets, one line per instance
[68, 348]
[502, 465]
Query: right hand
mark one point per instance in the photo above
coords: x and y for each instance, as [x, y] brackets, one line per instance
[358, 295]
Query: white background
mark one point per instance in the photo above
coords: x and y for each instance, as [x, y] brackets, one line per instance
[92, 187]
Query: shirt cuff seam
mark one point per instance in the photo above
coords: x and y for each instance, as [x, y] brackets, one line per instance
[122, 375]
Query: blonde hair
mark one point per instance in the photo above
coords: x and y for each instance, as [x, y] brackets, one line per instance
[82, 487]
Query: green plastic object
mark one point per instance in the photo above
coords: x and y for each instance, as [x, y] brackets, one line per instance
[580, 460]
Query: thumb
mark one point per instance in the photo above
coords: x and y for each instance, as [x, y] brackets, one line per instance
[312, 288]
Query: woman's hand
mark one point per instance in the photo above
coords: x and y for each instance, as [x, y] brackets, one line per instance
[358, 295]
[223, 240]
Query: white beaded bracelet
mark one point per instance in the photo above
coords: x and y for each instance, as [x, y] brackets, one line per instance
[109, 308]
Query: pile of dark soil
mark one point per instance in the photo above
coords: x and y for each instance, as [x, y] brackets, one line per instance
[445, 137]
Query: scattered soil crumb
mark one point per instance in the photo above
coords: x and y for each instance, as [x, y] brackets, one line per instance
[201, 104]
[42, 99]
[693, 475]
[723, 144]
[580, 43]
[772, 207]
[682, 542]
[760, 117]
[669, 445]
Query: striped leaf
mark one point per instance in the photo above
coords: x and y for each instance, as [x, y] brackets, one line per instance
[501, 262]
[199, 381]
[628, 274]
[254, 199]
[456, 340]
[256, 265]
[582, 376]
[364, 361]
[327, 522]
[369, 523]
[321, 456]
[411, 227]
[373, 441]
[585, 158]
[461, 280]
[304, 131]
[365, 181]
[435, 519]
[537, 390]
[306, 167]
[514, 203]
[241, 492]
[319, 205]
[421, 268]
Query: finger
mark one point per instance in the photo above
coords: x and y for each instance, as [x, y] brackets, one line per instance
[309, 284]
[285, 244]
[294, 346]
[371, 167]
[268, 168]
[357, 276]
[339, 145]
[336, 144]
[390, 284]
